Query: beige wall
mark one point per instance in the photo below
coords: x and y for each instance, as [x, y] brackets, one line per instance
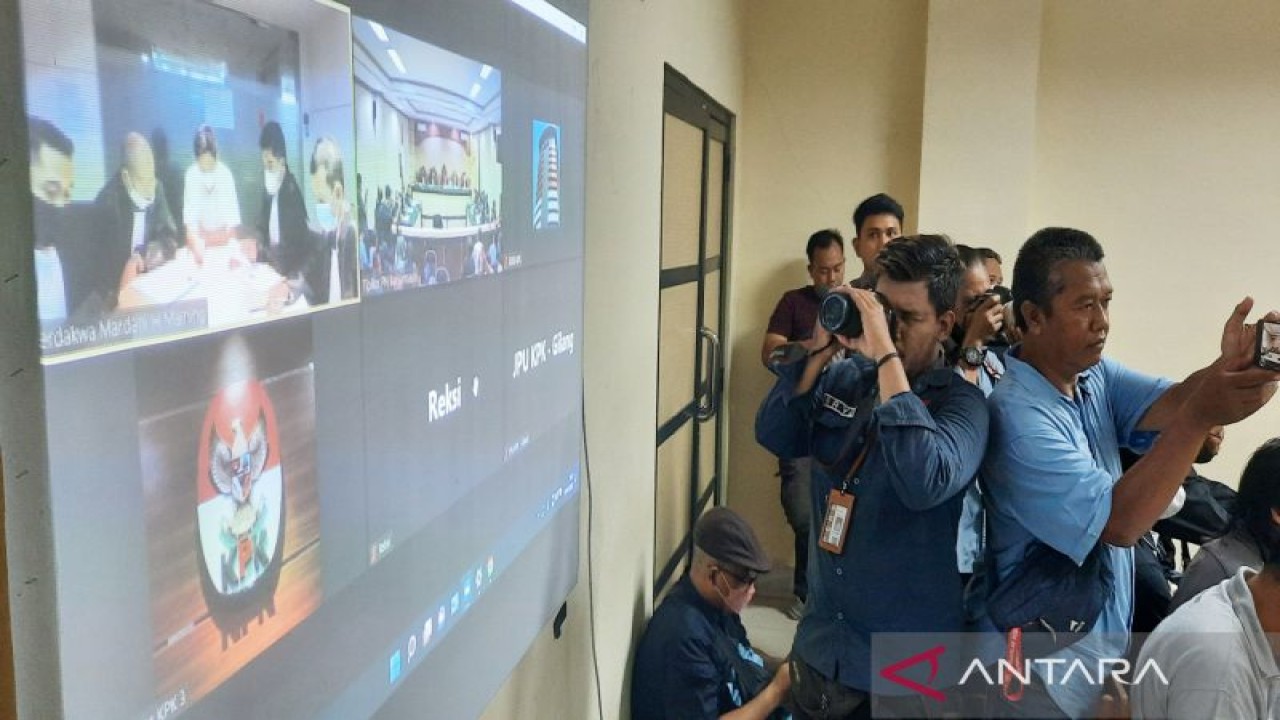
[1154, 127]
[1157, 132]
[1148, 123]
[832, 113]
[978, 147]
[628, 44]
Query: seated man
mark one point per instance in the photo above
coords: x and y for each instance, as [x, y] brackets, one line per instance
[1218, 651]
[1253, 519]
[138, 232]
[282, 224]
[693, 660]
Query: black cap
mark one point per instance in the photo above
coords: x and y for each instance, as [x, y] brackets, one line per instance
[725, 536]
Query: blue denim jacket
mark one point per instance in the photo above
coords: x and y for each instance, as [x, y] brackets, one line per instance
[898, 569]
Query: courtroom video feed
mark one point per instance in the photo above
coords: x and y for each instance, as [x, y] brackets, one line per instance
[428, 130]
[189, 171]
[227, 442]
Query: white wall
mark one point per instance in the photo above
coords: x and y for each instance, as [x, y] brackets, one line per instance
[628, 44]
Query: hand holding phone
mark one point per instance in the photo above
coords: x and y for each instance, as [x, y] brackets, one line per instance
[1267, 350]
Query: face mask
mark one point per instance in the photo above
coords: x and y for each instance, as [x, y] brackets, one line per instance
[324, 216]
[273, 181]
[49, 224]
[139, 203]
[734, 606]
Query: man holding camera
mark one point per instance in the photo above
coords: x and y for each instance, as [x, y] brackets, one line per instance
[896, 437]
[980, 319]
[793, 320]
[1058, 420]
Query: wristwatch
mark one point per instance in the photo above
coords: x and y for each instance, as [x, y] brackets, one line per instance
[973, 355]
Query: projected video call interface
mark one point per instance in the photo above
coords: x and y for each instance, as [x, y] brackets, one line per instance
[309, 289]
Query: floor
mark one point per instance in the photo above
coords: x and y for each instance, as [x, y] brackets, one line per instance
[768, 627]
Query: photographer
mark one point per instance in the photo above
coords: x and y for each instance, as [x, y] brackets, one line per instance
[981, 319]
[792, 320]
[896, 437]
[1058, 420]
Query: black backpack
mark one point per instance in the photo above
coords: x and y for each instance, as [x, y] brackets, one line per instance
[1205, 516]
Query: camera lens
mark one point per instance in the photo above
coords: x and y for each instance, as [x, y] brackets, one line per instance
[839, 315]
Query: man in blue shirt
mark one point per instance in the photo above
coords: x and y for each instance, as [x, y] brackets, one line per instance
[694, 661]
[1058, 420]
[923, 429]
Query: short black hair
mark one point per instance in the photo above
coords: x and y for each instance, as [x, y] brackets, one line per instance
[878, 204]
[931, 258]
[272, 138]
[45, 134]
[969, 256]
[1259, 495]
[822, 240]
[989, 254]
[1033, 273]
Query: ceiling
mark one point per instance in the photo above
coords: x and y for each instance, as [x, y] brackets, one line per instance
[436, 84]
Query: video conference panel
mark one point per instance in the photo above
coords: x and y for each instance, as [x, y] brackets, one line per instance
[309, 287]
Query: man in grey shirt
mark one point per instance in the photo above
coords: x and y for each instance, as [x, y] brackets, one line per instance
[1214, 651]
[1252, 522]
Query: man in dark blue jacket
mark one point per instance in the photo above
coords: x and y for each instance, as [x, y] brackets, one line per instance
[896, 437]
[693, 660]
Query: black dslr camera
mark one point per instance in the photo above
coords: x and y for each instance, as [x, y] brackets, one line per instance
[839, 315]
[1005, 297]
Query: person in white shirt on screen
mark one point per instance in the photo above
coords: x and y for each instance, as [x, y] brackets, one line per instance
[331, 273]
[52, 174]
[210, 206]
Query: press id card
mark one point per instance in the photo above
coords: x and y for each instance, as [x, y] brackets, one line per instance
[835, 525]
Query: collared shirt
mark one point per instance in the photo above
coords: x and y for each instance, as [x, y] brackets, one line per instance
[51, 291]
[682, 670]
[1216, 657]
[1049, 472]
[795, 314]
[210, 201]
[897, 573]
[1216, 561]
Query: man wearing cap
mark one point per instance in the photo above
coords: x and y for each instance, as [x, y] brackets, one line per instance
[693, 660]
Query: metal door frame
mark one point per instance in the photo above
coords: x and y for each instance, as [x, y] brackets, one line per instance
[684, 100]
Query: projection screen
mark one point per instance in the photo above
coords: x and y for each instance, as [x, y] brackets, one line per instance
[309, 288]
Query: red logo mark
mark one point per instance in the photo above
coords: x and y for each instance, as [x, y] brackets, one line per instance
[930, 656]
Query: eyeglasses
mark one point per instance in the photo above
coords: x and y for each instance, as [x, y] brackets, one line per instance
[743, 580]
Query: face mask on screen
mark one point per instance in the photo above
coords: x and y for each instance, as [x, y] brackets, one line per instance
[139, 202]
[273, 181]
[324, 216]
